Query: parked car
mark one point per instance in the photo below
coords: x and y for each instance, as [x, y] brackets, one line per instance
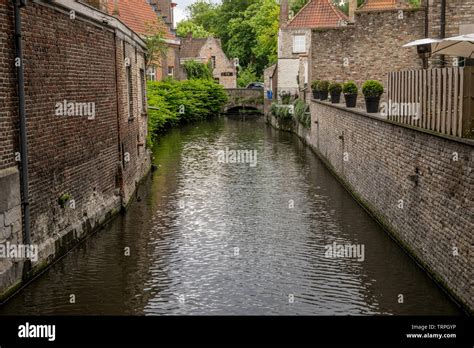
[255, 85]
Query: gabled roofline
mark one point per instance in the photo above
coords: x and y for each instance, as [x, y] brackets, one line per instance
[333, 7]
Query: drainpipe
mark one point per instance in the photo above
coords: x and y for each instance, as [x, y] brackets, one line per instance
[427, 31]
[18, 4]
[442, 26]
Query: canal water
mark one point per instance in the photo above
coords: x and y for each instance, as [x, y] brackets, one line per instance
[215, 234]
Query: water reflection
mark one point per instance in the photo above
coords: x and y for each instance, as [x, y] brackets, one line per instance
[228, 238]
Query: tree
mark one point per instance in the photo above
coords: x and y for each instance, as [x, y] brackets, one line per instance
[204, 13]
[155, 42]
[265, 24]
[247, 76]
[196, 70]
[297, 5]
[248, 29]
[186, 27]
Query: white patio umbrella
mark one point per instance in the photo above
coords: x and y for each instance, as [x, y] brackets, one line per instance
[420, 42]
[460, 46]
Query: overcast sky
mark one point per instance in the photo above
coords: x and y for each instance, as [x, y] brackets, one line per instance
[180, 10]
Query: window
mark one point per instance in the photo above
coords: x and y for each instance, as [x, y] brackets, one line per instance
[171, 71]
[299, 44]
[130, 92]
[151, 73]
[213, 61]
[143, 89]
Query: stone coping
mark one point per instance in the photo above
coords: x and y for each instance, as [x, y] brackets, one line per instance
[378, 117]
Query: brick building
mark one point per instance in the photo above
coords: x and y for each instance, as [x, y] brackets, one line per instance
[208, 50]
[371, 46]
[295, 40]
[84, 163]
[143, 17]
[141, 13]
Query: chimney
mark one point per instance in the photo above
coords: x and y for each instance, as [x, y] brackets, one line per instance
[116, 8]
[173, 5]
[283, 13]
[352, 9]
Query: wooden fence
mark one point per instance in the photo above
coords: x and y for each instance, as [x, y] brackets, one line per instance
[441, 99]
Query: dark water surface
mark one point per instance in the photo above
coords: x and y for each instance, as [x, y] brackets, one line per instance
[228, 238]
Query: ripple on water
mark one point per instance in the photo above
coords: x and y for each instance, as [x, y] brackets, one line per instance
[214, 238]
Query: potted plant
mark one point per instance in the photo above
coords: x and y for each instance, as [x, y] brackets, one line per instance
[323, 87]
[314, 88]
[350, 91]
[372, 91]
[335, 90]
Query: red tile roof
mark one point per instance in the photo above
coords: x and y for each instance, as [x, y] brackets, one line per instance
[382, 5]
[318, 14]
[137, 15]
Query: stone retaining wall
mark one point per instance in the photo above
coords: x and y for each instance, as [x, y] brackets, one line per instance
[417, 184]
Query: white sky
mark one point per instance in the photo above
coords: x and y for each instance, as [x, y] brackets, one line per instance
[180, 10]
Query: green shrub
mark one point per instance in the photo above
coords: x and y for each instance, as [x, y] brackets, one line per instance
[246, 76]
[196, 70]
[282, 112]
[173, 102]
[314, 85]
[323, 86]
[302, 113]
[335, 88]
[372, 88]
[350, 88]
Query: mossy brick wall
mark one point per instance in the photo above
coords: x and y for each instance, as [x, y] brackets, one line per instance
[132, 126]
[80, 61]
[421, 186]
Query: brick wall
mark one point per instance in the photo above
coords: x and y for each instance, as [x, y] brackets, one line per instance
[459, 13]
[8, 101]
[97, 161]
[389, 164]
[223, 64]
[459, 20]
[368, 49]
[132, 122]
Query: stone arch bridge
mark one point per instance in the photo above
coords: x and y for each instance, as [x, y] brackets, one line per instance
[244, 99]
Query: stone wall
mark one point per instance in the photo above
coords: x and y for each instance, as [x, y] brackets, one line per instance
[368, 49]
[94, 159]
[418, 185]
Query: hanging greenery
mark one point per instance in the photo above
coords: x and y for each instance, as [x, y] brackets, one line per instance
[198, 71]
